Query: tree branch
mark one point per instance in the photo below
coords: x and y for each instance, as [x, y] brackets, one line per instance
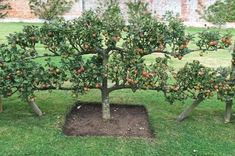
[55, 88]
[123, 86]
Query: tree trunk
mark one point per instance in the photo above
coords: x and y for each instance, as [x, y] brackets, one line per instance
[36, 109]
[229, 101]
[105, 105]
[1, 107]
[188, 110]
[228, 111]
[83, 6]
[105, 91]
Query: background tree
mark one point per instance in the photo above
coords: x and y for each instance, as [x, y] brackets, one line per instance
[3, 7]
[50, 9]
[220, 12]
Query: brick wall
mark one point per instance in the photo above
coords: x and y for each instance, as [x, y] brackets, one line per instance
[20, 9]
[185, 8]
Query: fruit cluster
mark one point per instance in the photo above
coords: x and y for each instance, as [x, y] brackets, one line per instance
[195, 80]
[213, 40]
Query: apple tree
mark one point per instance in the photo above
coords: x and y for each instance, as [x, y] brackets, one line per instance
[101, 50]
[97, 50]
[198, 82]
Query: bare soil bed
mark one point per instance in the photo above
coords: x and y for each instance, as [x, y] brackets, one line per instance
[85, 119]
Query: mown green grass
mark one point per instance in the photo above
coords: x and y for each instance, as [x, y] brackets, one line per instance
[204, 133]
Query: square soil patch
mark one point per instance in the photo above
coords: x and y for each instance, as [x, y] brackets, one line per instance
[85, 119]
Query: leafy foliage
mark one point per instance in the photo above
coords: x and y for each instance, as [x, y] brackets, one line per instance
[212, 40]
[114, 55]
[220, 12]
[105, 36]
[50, 9]
[197, 81]
[3, 6]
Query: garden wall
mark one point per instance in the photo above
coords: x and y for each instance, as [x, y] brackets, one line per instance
[185, 8]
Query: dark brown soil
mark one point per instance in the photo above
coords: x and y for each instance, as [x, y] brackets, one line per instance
[85, 119]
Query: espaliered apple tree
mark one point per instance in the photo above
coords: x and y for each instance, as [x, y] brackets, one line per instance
[230, 94]
[199, 82]
[100, 51]
[220, 13]
[97, 50]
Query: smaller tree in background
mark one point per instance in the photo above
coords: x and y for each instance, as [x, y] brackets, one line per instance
[220, 12]
[3, 7]
[50, 9]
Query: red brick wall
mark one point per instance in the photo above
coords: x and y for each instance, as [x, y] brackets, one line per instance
[200, 5]
[20, 9]
[186, 8]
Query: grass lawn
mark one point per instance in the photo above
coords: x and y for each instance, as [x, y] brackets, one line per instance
[204, 133]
